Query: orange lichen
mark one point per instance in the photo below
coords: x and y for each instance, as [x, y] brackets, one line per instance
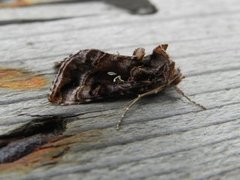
[20, 80]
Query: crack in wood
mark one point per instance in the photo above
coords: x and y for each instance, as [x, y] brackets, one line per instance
[40, 20]
[44, 124]
[27, 21]
[29, 137]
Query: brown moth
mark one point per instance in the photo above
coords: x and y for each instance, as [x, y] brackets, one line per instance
[92, 75]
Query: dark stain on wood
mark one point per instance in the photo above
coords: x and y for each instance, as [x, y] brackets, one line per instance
[29, 137]
[22, 147]
[41, 137]
[39, 157]
[46, 150]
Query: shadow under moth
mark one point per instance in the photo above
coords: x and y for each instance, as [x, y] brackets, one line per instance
[92, 75]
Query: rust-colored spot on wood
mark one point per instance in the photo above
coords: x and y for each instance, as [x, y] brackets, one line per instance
[44, 156]
[16, 79]
[16, 3]
[38, 158]
[88, 137]
[52, 152]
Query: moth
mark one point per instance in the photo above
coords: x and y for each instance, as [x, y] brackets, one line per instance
[92, 75]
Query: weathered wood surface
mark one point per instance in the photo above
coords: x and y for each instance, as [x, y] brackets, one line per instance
[163, 137]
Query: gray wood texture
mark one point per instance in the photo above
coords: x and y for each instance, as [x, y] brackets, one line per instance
[163, 137]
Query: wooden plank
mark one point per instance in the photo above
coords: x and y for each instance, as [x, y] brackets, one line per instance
[185, 138]
[190, 66]
[186, 56]
[174, 10]
[189, 52]
[171, 9]
[41, 106]
[107, 39]
[51, 12]
[163, 136]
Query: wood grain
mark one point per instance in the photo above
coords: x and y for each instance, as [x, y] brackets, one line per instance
[164, 136]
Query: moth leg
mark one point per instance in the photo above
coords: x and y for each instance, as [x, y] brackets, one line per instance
[134, 101]
[179, 91]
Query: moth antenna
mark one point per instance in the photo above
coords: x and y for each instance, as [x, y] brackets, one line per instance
[126, 109]
[134, 101]
[179, 91]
